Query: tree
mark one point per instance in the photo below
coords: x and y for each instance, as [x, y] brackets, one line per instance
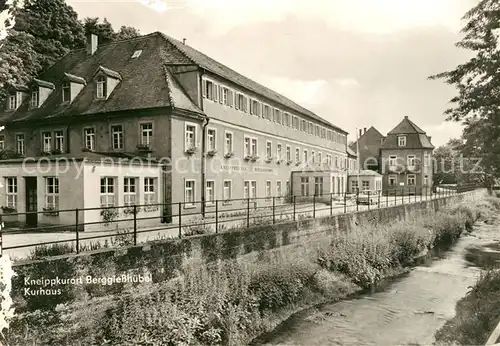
[127, 32]
[477, 81]
[103, 30]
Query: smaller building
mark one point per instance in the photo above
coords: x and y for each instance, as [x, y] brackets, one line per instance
[323, 184]
[364, 181]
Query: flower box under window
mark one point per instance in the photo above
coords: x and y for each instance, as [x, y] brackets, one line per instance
[229, 155]
[254, 158]
[269, 159]
[144, 147]
[87, 150]
[191, 150]
[130, 210]
[226, 202]
[150, 208]
[50, 211]
[298, 163]
[279, 161]
[289, 162]
[212, 152]
[56, 151]
[248, 158]
[9, 210]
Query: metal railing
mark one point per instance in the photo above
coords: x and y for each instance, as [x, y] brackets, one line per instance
[184, 219]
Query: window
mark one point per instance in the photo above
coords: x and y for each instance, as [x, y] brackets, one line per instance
[2, 142]
[107, 192]
[411, 160]
[117, 137]
[269, 149]
[317, 130]
[101, 87]
[227, 97]
[365, 185]
[189, 192]
[304, 186]
[47, 142]
[411, 180]
[89, 134]
[318, 186]
[241, 102]
[34, 98]
[354, 186]
[297, 155]
[227, 190]
[247, 146]
[278, 151]
[66, 92]
[426, 180]
[211, 139]
[59, 141]
[246, 189]
[277, 116]
[320, 158]
[286, 116]
[253, 189]
[12, 102]
[278, 189]
[254, 146]
[288, 153]
[288, 188]
[267, 112]
[190, 137]
[20, 144]
[52, 193]
[311, 128]
[11, 185]
[393, 160]
[255, 108]
[210, 192]
[305, 155]
[392, 180]
[129, 191]
[268, 189]
[329, 160]
[378, 185]
[147, 134]
[304, 125]
[208, 89]
[228, 143]
[313, 159]
[150, 191]
[402, 141]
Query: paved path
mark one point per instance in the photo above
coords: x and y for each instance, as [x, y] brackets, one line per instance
[172, 231]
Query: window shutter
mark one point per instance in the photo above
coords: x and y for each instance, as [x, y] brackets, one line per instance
[204, 88]
[221, 93]
[216, 92]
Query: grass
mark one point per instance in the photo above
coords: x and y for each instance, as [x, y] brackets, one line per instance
[230, 302]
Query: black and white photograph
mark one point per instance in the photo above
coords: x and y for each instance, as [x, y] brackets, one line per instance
[249, 172]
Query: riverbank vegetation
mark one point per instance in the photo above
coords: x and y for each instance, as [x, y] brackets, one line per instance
[230, 303]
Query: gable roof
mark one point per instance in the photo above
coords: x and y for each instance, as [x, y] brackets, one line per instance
[351, 152]
[416, 138]
[151, 88]
[406, 126]
[204, 61]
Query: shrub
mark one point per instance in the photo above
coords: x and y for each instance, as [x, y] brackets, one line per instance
[51, 250]
[470, 213]
[196, 226]
[447, 227]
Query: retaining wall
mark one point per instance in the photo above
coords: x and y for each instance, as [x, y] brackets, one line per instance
[163, 260]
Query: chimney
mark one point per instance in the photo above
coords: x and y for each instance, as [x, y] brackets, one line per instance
[360, 132]
[364, 130]
[429, 138]
[184, 41]
[406, 117]
[92, 42]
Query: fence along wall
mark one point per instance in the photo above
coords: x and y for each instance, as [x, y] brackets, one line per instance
[163, 259]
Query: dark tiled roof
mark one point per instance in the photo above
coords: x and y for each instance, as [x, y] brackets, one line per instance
[204, 61]
[416, 138]
[19, 87]
[75, 79]
[406, 126]
[351, 152]
[413, 141]
[145, 90]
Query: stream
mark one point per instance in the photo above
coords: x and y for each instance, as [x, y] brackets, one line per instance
[405, 310]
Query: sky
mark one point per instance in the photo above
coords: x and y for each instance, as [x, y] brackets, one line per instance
[356, 63]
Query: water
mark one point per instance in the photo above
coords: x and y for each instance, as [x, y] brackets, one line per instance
[408, 310]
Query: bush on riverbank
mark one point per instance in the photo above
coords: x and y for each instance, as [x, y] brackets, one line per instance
[477, 315]
[230, 303]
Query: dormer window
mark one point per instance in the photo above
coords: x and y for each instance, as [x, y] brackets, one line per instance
[101, 87]
[35, 98]
[402, 141]
[66, 92]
